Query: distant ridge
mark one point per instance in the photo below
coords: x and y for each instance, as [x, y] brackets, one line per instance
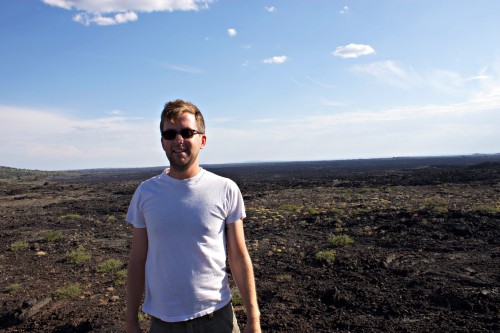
[10, 173]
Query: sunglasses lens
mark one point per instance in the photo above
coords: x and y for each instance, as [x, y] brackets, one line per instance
[187, 133]
[169, 134]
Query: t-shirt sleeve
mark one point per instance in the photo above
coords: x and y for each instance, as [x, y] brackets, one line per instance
[235, 204]
[134, 213]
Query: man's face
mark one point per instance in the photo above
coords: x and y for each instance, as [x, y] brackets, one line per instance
[183, 152]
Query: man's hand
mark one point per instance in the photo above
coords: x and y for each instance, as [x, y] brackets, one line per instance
[253, 326]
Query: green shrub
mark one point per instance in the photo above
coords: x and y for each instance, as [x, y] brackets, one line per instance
[78, 256]
[19, 246]
[69, 291]
[12, 288]
[326, 256]
[311, 210]
[236, 297]
[53, 236]
[338, 211]
[290, 208]
[111, 218]
[438, 205]
[121, 277]
[340, 241]
[486, 209]
[109, 265]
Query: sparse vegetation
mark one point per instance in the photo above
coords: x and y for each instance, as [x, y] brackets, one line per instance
[438, 205]
[70, 217]
[20, 245]
[284, 278]
[78, 256]
[53, 236]
[13, 287]
[340, 241]
[236, 300]
[400, 237]
[326, 256]
[311, 210]
[69, 291]
[111, 218]
[109, 265]
[486, 209]
[121, 277]
[24, 175]
[289, 207]
[338, 211]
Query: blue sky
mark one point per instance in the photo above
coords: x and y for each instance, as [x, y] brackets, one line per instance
[83, 82]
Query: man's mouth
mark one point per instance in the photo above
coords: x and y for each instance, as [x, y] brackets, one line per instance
[180, 150]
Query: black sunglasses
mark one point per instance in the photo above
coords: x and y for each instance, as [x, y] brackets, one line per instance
[186, 133]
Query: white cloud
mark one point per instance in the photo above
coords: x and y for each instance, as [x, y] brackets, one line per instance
[59, 141]
[270, 9]
[113, 6]
[91, 11]
[87, 19]
[232, 32]
[275, 60]
[344, 10]
[353, 51]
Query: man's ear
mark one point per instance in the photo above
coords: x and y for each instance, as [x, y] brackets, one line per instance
[161, 142]
[203, 141]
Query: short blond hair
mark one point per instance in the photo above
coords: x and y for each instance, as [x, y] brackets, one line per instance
[173, 110]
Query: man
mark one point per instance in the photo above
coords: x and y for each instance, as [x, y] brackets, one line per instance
[183, 221]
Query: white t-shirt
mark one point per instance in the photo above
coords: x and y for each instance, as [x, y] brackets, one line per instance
[186, 261]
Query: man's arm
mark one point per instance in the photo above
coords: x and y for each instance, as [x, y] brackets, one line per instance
[242, 270]
[135, 278]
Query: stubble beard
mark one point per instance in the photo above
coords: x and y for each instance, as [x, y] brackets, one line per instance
[177, 165]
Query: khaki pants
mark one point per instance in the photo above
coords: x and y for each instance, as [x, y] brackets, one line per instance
[220, 321]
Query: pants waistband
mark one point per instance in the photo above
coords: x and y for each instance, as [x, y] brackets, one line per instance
[204, 318]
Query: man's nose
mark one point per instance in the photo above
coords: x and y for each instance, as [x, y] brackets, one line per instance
[179, 138]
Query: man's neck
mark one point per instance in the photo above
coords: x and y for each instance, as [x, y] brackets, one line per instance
[184, 174]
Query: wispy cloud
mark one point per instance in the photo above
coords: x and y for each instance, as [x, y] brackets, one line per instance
[181, 68]
[113, 12]
[232, 32]
[395, 74]
[344, 10]
[58, 140]
[264, 120]
[353, 51]
[318, 83]
[115, 112]
[457, 128]
[390, 72]
[271, 9]
[331, 102]
[275, 60]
